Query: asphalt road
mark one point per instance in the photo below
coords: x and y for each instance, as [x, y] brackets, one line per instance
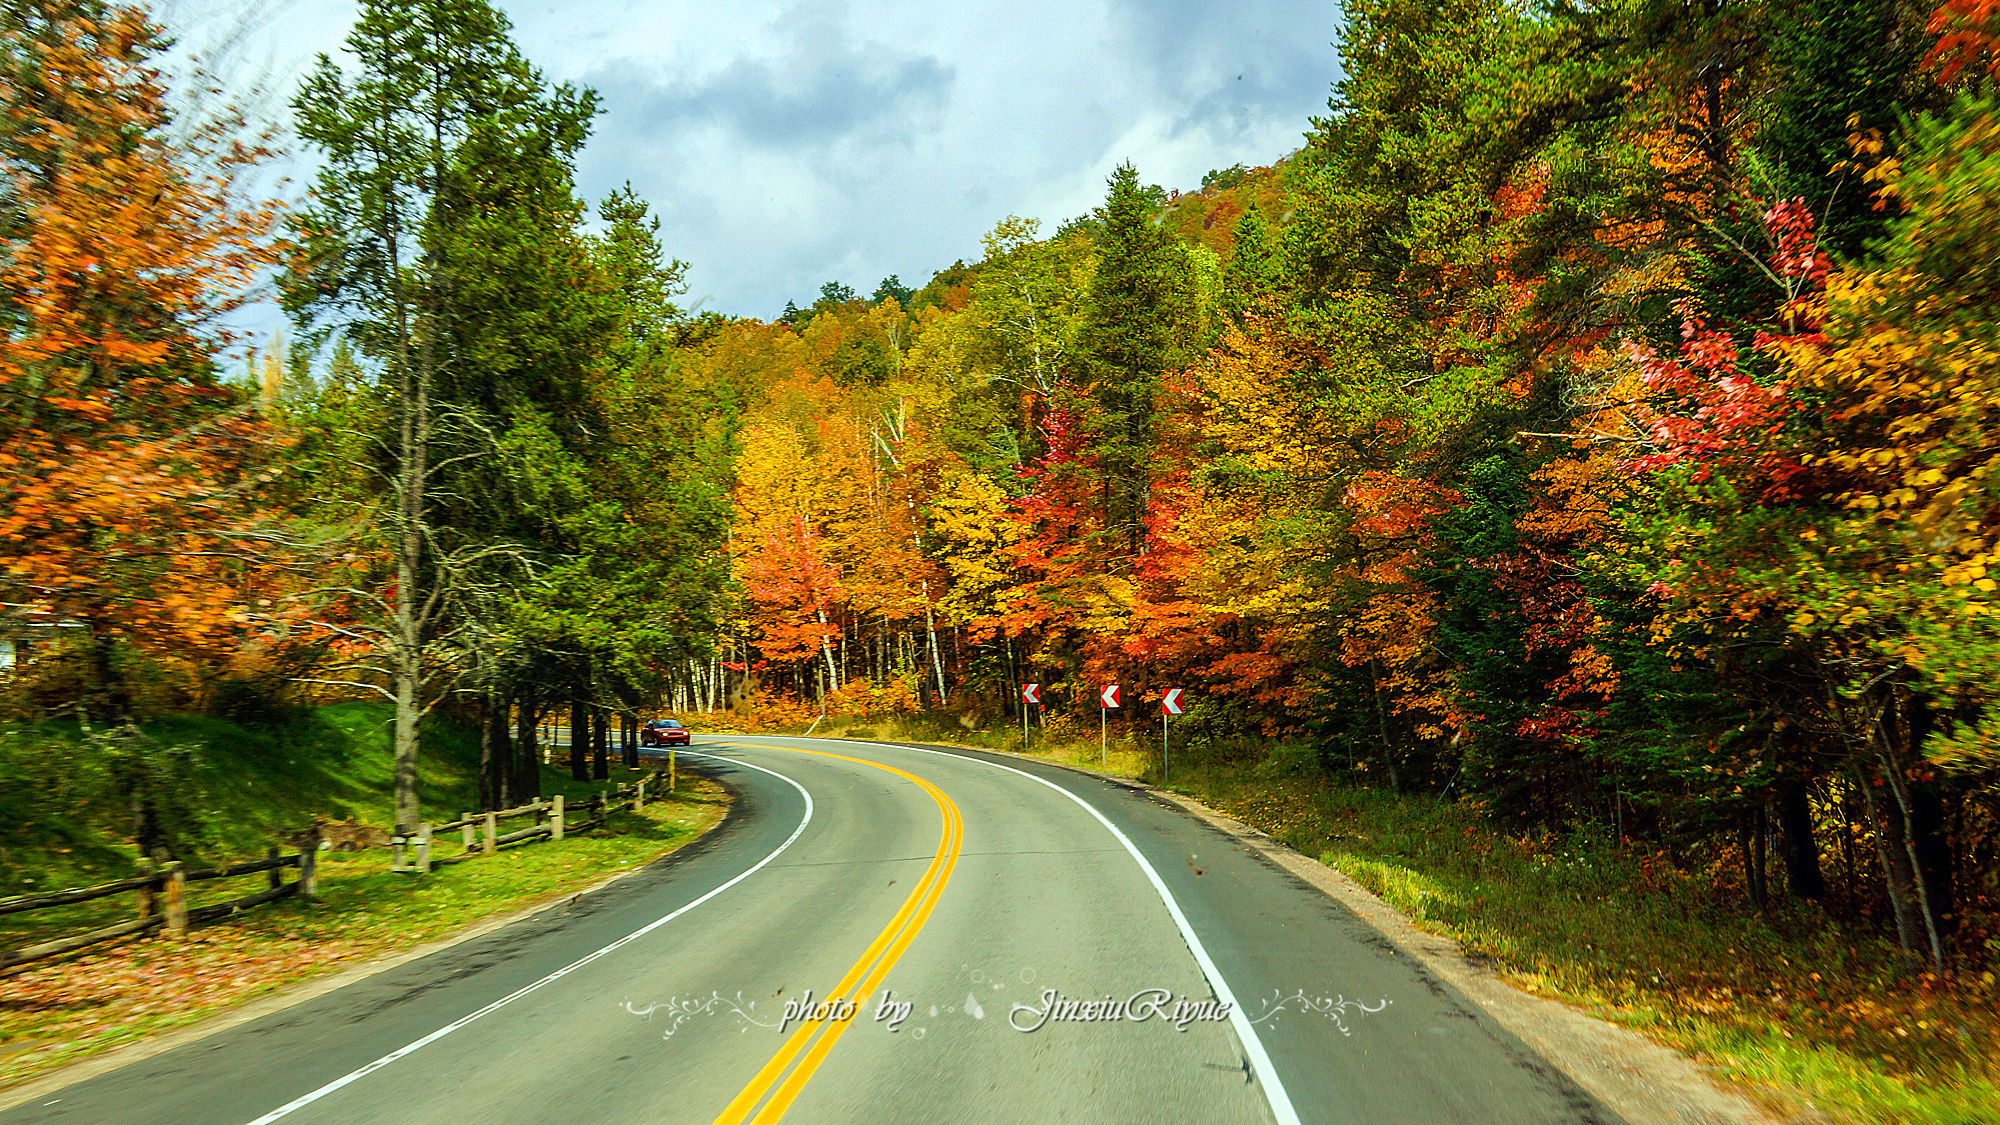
[994, 897]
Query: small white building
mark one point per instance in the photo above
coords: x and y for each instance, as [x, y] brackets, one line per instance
[23, 631]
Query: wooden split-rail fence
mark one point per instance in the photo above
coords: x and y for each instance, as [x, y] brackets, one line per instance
[162, 901]
[481, 833]
[162, 894]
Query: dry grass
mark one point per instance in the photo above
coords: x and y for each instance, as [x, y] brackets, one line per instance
[1810, 1015]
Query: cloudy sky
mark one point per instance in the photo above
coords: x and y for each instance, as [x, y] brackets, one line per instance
[785, 144]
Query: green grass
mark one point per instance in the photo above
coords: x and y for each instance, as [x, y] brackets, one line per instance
[66, 820]
[248, 788]
[237, 789]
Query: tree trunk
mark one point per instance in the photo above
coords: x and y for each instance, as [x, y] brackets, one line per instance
[579, 741]
[1934, 858]
[527, 755]
[1750, 836]
[600, 765]
[826, 650]
[1010, 697]
[937, 659]
[407, 714]
[1896, 871]
[412, 475]
[489, 763]
[505, 776]
[1934, 855]
[110, 681]
[146, 831]
[1848, 815]
[1382, 724]
[1803, 877]
[1906, 857]
[628, 741]
[1894, 732]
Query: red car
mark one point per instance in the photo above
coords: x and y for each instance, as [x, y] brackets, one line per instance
[663, 732]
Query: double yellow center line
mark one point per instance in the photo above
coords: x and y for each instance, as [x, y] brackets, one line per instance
[771, 1092]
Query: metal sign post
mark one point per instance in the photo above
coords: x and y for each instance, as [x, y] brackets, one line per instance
[1107, 698]
[1030, 693]
[1170, 704]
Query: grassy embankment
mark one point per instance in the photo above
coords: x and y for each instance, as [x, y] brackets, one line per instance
[253, 784]
[1808, 1014]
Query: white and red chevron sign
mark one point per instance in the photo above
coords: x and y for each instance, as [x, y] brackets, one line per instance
[1170, 703]
[1109, 696]
[1031, 693]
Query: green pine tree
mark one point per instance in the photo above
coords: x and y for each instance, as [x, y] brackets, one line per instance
[1126, 348]
[380, 266]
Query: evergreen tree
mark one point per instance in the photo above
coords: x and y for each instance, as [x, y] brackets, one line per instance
[1125, 344]
[1253, 266]
[643, 278]
[387, 262]
[892, 288]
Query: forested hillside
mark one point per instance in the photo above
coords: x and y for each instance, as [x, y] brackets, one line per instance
[1592, 419]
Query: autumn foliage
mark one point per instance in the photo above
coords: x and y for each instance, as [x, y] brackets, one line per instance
[1609, 449]
[128, 471]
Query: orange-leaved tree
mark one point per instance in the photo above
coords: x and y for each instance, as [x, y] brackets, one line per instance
[123, 474]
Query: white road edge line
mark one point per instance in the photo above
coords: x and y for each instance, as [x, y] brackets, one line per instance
[440, 1033]
[1246, 1033]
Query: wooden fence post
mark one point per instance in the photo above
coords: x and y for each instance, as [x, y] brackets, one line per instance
[492, 831]
[309, 871]
[396, 854]
[177, 915]
[146, 893]
[467, 818]
[275, 877]
[556, 819]
[639, 802]
[424, 848]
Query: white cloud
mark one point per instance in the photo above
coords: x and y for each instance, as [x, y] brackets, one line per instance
[787, 144]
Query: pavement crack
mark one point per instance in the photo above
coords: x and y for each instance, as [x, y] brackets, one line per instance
[1242, 1067]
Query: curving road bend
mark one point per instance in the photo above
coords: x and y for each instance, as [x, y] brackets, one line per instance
[1068, 950]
